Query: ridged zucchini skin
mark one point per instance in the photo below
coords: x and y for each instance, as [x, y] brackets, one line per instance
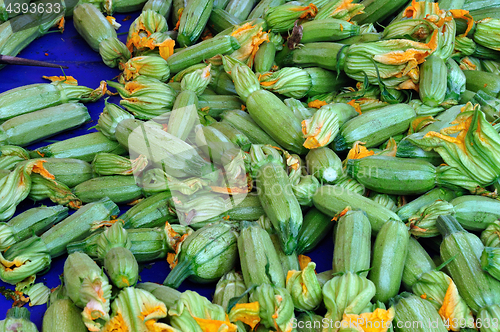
[389, 255]
[378, 10]
[418, 314]
[333, 199]
[63, 316]
[417, 263]
[152, 211]
[352, 244]
[280, 204]
[243, 122]
[69, 171]
[476, 287]
[277, 120]
[193, 20]
[433, 81]
[479, 80]
[83, 147]
[475, 213]
[264, 58]
[374, 127]
[36, 221]
[77, 226]
[256, 250]
[315, 227]
[119, 188]
[148, 244]
[327, 30]
[409, 209]
[392, 175]
[29, 128]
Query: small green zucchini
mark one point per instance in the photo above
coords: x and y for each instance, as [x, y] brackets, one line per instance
[69, 171]
[475, 213]
[315, 227]
[119, 189]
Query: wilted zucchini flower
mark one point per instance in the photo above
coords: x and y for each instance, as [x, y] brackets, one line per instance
[470, 63]
[247, 313]
[487, 33]
[88, 287]
[197, 81]
[7, 236]
[379, 320]
[114, 53]
[18, 319]
[24, 259]
[440, 290]
[113, 164]
[423, 223]
[281, 18]
[262, 154]
[320, 129]
[464, 46]
[109, 119]
[289, 81]
[276, 307]
[150, 66]
[113, 247]
[491, 235]
[474, 151]
[145, 25]
[135, 309]
[394, 62]
[11, 155]
[230, 285]
[490, 261]
[205, 255]
[16, 186]
[347, 294]
[202, 207]
[423, 110]
[350, 184]
[59, 193]
[250, 38]
[491, 66]
[245, 81]
[304, 288]
[387, 201]
[158, 43]
[194, 313]
[339, 9]
[146, 97]
[38, 294]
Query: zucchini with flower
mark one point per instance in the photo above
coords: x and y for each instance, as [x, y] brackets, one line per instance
[205, 255]
[281, 18]
[229, 286]
[304, 288]
[11, 155]
[113, 248]
[491, 235]
[411, 308]
[100, 34]
[112, 164]
[145, 97]
[275, 193]
[276, 306]
[193, 20]
[266, 109]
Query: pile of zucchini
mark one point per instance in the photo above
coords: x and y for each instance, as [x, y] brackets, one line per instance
[247, 133]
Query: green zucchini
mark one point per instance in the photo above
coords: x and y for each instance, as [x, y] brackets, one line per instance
[392, 175]
[417, 263]
[413, 314]
[276, 119]
[29, 128]
[352, 244]
[193, 21]
[216, 104]
[374, 127]
[389, 255]
[315, 227]
[152, 211]
[77, 226]
[248, 209]
[83, 147]
[69, 171]
[327, 30]
[334, 199]
[479, 80]
[475, 213]
[233, 134]
[243, 122]
[119, 189]
[325, 165]
[280, 204]
[409, 209]
[476, 287]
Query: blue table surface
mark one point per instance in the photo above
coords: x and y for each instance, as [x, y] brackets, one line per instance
[87, 67]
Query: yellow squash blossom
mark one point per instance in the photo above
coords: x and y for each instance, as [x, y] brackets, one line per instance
[377, 321]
